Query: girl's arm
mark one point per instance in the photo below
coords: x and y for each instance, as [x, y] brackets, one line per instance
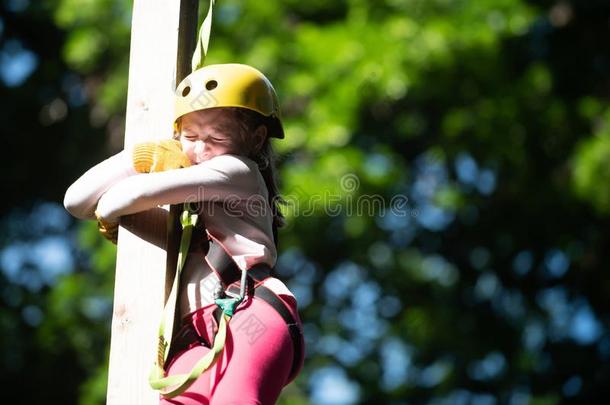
[82, 196]
[219, 179]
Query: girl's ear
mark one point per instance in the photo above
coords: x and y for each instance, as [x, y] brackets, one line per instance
[259, 137]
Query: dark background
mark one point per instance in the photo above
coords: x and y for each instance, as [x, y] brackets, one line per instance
[447, 171]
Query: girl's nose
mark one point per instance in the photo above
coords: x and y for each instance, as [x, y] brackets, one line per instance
[199, 150]
[199, 146]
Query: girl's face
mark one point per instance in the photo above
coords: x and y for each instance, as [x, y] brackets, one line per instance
[206, 134]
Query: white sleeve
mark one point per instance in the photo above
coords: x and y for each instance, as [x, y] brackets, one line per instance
[82, 196]
[218, 179]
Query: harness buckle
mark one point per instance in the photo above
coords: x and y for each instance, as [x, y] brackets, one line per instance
[243, 291]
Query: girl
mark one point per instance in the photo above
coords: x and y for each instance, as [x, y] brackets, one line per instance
[224, 118]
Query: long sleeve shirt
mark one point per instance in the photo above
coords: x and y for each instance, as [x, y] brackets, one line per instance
[229, 190]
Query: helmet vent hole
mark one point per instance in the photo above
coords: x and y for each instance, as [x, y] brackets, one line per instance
[186, 91]
[211, 85]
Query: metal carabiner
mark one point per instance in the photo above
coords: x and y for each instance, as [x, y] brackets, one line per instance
[242, 287]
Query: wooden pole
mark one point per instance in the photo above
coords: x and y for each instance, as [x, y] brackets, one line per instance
[162, 40]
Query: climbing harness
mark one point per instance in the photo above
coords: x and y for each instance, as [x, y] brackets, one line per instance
[226, 269]
[250, 284]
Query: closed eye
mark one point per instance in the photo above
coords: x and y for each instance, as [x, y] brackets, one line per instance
[188, 133]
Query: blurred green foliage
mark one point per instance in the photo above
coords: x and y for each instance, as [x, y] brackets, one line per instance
[447, 171]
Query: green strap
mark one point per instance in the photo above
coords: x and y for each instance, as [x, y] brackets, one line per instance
[203, 41]
[188, 220]
[182, 382]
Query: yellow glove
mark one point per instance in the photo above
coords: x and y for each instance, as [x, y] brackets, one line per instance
[109, 230]
[159, 156]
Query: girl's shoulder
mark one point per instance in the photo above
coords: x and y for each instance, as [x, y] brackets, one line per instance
[232, 163]
[238, 170]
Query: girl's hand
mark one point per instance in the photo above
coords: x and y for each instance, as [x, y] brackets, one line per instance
[108, 229]
[159, 156]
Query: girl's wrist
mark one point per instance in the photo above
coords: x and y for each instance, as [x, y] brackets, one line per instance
[104, 220]
[102, 215]
[109, 230]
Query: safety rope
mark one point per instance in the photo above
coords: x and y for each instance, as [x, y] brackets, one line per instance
[203, 41]
[181, 382]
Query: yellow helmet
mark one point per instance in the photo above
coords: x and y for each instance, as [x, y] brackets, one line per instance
[229, 85]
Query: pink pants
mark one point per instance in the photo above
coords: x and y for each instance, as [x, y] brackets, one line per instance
[255, 363]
